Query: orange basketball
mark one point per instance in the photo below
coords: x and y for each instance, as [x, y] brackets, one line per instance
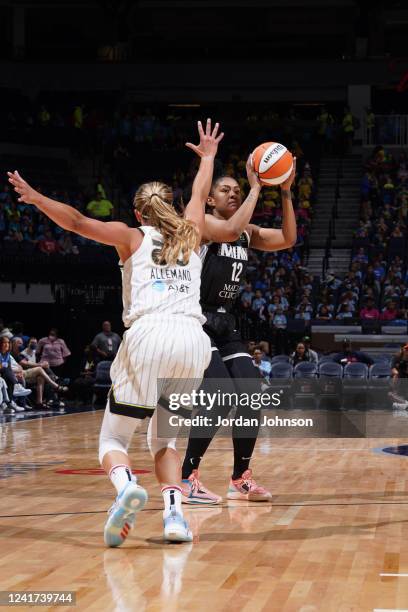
[272, 163]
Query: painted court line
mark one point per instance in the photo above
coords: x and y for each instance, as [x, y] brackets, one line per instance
[402, 575]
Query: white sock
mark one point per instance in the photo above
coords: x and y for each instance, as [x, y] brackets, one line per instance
[172, 500]
[120, 475]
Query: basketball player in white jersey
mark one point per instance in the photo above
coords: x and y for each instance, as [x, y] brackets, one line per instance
[161, 291]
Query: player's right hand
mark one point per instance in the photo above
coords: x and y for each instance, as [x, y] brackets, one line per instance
[26, 192]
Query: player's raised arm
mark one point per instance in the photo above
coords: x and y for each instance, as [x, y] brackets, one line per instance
[206, 150]
[112, 233]
[228, 230]
[268, 239]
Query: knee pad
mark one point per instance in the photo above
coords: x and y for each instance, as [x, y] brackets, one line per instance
[116, 433]
[155, 443]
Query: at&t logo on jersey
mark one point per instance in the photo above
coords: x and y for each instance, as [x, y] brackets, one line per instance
[159, 285]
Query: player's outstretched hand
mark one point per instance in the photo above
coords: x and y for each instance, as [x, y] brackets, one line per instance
[26, 192]
[209, 140]
[288, 183]
[253, 180]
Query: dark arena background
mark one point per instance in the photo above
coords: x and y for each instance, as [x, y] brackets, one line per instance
[98, 97]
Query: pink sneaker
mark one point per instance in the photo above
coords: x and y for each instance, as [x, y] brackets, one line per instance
[246, 488]
[194, 492]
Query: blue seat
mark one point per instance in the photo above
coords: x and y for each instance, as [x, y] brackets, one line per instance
[330, 369]
[280, 358]
[102, 379]
[356, 370]
[326, 359]
[305, 369]
[380, 370]
[281, 369]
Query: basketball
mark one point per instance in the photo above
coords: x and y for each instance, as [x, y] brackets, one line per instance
[272, 163]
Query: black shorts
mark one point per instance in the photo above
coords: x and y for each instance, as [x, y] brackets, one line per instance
[220, 327]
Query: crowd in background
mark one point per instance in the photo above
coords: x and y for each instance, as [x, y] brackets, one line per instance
[278, 293]
[33, 371]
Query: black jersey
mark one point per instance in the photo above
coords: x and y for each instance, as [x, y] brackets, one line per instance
[224, 267]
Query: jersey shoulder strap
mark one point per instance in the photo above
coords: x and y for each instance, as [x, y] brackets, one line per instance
[245, 236]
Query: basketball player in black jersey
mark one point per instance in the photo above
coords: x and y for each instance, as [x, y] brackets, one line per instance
[227, 236]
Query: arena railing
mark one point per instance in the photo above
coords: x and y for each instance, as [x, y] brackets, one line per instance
[332, 221]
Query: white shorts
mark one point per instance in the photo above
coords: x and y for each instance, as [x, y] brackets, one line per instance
[159, 355]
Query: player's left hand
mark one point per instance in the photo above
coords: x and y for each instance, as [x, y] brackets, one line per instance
[26, 192]
[209, 140]
[288, 183]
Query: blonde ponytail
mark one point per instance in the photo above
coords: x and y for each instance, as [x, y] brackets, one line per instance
[155, 203]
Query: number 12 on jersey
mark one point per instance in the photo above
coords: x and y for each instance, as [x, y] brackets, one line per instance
[236, 271]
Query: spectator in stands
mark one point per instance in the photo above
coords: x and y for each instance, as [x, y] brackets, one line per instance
[78, 117]
[324, 314]
[13, 382]
[369, 312]
[44, 116]
[106, 343]
[348, 124]
[361, 257]
[66, 246]
[48, 245]
[247, 294]
[6, 404]
[279, 324]
[325, 122]
[30, 352]
[399, 372]
[303, 313]
[399, 364]
[251, 346]
[82, 387]
[259, 301]
[33, 373]
[273, 306]
[299, 355]
[390, 312]
[54, 351]
[262, 364]
[100, 208]
[9, 383]
[5, 331]
[332, 281]
[347, 355]
[345, 312]
[313, 356]
[265, 348]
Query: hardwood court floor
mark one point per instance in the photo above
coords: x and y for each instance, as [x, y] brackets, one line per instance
[339, 520]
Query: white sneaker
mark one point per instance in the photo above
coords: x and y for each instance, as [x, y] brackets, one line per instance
[400, 405]
[16, 407]
[176, 528]
[122, 514]
[20, 391]
[3, 406]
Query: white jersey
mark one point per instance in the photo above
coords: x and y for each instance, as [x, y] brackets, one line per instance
[149, 288]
